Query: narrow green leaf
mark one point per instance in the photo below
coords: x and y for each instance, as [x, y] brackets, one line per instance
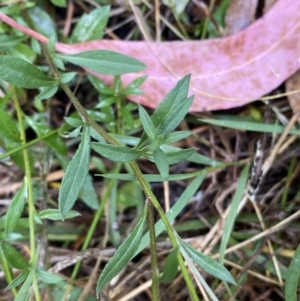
[97, 136]
[59, 3]
[124, 253]
[134, 86]
[171, 101]
[74, 122]
[161, 163]
[8, 128]
[105, 62]
[232, 214]
[174, 117]
[115, 152]
[13, 256]
[250, 126]
[15, 209]
[88, 194]
[19, 279]
[91, 26]
[55, 215]
[23, 74]
[179, 155]
[170, 269]
[195, 271]
[47, 92]
[147, 123]
[176, 136]
[75, 175]
[174, 211]
[8, 42]
[48, 277]
[208, 264]
[24, 292]
[67, 77]
[292, 279]
[42, 22]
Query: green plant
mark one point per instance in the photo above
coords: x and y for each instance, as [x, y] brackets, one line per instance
[111, 142]
[158, 132]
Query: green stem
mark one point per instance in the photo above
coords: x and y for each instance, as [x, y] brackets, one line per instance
[27, 144]
[7, 273]
[154, 264]
[31, 208]
[30, 199]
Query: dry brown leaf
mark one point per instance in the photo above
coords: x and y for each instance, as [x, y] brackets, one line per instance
[293, 84]
[239, 15]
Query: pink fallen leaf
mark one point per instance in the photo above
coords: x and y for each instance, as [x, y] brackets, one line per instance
[227, 72]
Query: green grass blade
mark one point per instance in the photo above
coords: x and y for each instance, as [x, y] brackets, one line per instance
[233, 210]
[293, 274]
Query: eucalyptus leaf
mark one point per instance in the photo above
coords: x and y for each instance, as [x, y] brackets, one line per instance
[123, 254]
[15, 209]
[13, 256]
[23, 74]
[116, 153]
[75, 175]
[104, 62]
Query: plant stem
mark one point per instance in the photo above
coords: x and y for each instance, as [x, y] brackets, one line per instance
[31, 208]
[30, 200]
[154, 264]
[27, 144]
